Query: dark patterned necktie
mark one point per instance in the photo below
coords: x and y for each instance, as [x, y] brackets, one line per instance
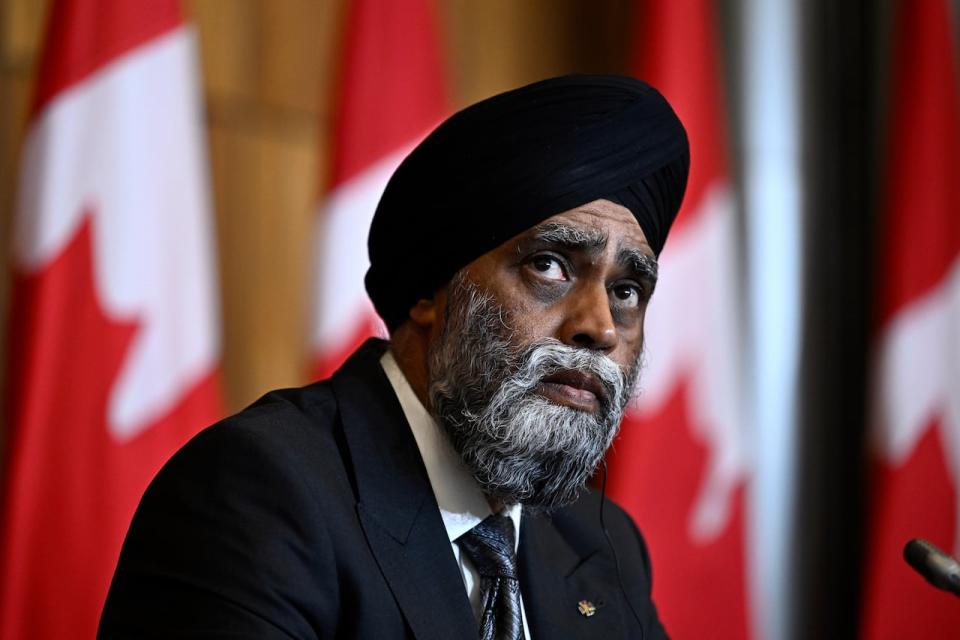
[490, 546]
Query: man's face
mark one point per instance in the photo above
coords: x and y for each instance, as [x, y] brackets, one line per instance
[536, 357]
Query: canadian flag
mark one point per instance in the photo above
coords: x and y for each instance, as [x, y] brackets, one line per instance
[390, 94]
[679, 465]
[114, 340]
[916, 390]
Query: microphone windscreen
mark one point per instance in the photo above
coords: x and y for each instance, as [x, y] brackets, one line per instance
[937, 567]
[916, 551]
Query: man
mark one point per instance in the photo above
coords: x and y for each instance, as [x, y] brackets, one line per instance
[435, 486]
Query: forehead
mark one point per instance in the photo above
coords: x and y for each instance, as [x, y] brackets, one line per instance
[600, 218]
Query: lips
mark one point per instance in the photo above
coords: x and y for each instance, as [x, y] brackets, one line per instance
[576, 389]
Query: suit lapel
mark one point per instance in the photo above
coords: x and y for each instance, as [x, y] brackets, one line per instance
[558, 572]
[396, 506]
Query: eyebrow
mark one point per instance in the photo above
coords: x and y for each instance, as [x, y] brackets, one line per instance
[591, 240]
[642, 264]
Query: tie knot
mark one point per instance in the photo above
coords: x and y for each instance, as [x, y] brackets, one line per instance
[490, 545]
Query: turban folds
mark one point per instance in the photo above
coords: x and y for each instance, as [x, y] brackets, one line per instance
[502, 165]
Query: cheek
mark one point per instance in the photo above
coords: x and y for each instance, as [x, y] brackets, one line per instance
[631, 345]
[630, 350]
[640, 333]
[529, 316]
[531, 320]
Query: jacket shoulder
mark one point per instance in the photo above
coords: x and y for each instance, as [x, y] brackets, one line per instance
[288, 426]
[285, 413]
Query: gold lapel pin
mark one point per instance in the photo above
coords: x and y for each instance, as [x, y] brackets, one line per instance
[586, 608]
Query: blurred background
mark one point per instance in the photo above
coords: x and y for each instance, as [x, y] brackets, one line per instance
[800, 415]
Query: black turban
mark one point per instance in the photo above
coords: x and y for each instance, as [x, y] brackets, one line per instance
[501, 166]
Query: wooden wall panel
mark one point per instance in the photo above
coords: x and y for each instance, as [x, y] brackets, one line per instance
[263, 89]
[500, 44]
[265, 200]
[298, 45]
[234, 159]
[228, 46]
[21, 22]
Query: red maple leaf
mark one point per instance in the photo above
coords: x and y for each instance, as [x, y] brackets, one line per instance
[71, 489]
[657, 469]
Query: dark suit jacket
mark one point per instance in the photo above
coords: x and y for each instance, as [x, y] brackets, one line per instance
[310, 515]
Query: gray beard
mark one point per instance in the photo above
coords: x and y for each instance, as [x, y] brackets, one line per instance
[520, 447]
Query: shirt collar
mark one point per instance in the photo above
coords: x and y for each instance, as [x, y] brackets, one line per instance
[462, 503]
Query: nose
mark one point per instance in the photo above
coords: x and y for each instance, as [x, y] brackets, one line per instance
[588, 322]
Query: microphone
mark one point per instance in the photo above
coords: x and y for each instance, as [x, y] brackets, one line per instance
[938, 568]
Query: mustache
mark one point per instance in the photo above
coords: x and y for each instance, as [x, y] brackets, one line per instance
[549, 357]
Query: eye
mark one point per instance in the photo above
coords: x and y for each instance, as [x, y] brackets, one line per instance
[627, 295]
[548, 266]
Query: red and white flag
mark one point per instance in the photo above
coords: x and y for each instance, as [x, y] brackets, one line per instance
[114, 340]
[679, 465]
[915, 480]
[391, 93]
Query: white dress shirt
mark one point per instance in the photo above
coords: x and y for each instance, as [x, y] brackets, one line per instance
[462, 503]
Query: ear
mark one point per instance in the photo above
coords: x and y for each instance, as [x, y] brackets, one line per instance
[424, 314]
